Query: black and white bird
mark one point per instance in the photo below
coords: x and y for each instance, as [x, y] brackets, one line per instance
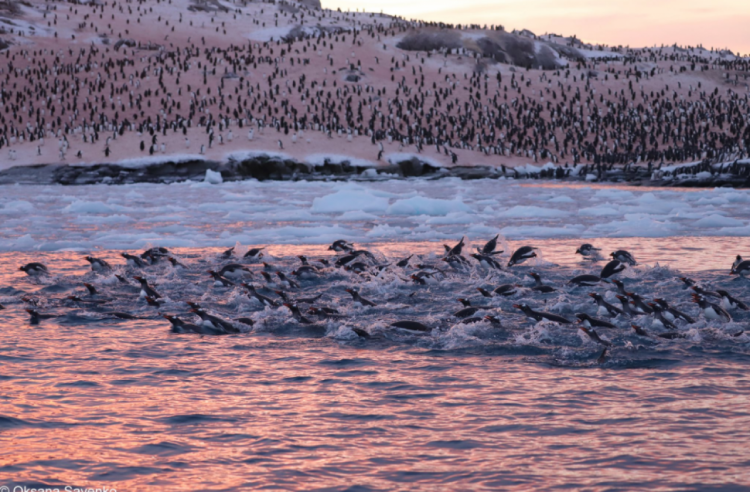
[587, 249]
[710, 310]
[34, 269]
[522, 254]
[623, 257]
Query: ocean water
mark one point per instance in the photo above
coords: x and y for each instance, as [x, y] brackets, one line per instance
[91, 400]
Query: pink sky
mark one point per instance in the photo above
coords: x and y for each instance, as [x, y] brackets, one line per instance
[718, 23]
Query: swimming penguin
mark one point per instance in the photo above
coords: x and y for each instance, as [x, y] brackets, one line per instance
[467, 311]
[522, 254]
[487, 261]
[506, 290]
[587, 250]
[539, 286]
[235, 270]
[710, 310]
[34, 269]
[179, 326]
[36, 317]
[307, 272]
[297, 315]
[457, 249]
[659, 317]
[214, 322]
[254, 253]
[359, 299]
[97, 264]
[730, 302]
[639, 303]
[341, 245]
[411, 325]
[602, 303]
[590, 322]
[671, 312]
[593, 335]
[176, 264]
[489, 248]
[585, 280]
[612, 268]
[620, 286]
[741, 268]
[218, 279]
[539, 316]
[405, 262]
[284, 278]
[147, 290]
[252, 293]
[623, 257]
[484, 292]
[625, 302]
[133, 261]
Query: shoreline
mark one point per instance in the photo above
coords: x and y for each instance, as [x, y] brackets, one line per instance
[278, 167]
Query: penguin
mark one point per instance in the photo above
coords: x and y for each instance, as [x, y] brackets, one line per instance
[252, 293]
[179, 326]
[620, 287]
[487, 261]
[590, 322]
[281, 144]
[741, 268]
[98, 265]
[539, 286]
[147, 290]
[133, 261]
[457, 249]
[639, 303]
[214, 322]
[585, 281]
[254, 253]
[625, 302]
[284, 278]
[484, 292]
[489, 248]
[593, 335]
[405, 262]
[710, 310]
[730, 302]
[359, 299]
[411, 326]
[539, 316]
[308, 272]
[341, 245]
[36, 317]
[658, 316]
[235, 270]
[176, 264]
[612, 268]
[673, 313]
[521, 254]
[34, 269]
[601, 302]
[506, 290]
[218, 279]
[587, 249]
[297, 315]
[623, 257]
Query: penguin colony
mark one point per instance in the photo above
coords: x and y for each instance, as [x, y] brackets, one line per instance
[345, 288]
[116, 79]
